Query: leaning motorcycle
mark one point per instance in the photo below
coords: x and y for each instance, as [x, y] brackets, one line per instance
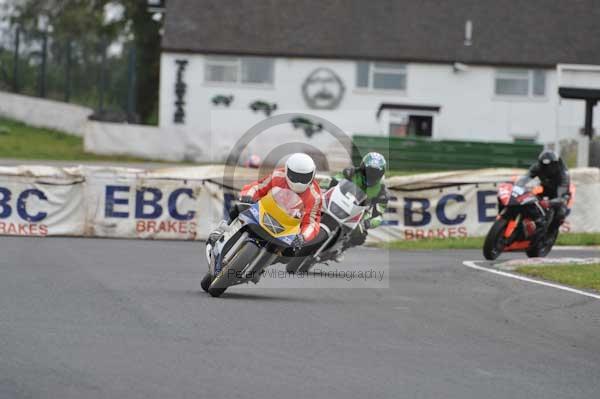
[342, 210]
[519, 205]
[259, 235]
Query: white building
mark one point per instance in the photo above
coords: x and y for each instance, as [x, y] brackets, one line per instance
[468, 69]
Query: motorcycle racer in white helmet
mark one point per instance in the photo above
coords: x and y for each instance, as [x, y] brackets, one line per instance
[298, 176]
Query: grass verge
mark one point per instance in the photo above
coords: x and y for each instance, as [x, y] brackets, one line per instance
[584, 239]
[578, 276]
[579, 239]
[20, 141]
[437, 243]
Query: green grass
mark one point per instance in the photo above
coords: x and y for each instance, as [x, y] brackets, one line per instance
[437, 243]
[20, 141]
[579, 276]
[477, 242]
[579, 239]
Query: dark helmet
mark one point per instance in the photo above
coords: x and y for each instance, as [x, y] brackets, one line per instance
[549, 161]
[372, 167]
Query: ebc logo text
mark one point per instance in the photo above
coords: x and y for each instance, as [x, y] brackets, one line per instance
[151, 204]
[14, 204]
[419, 215]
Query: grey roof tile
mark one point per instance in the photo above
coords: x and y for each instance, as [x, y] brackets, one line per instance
[509, 32]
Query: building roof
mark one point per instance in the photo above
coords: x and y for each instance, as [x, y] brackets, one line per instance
[504, 32]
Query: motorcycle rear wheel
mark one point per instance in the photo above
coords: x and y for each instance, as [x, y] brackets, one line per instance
[545, 246]
[494, 241]
[306, 266]
[295, 264]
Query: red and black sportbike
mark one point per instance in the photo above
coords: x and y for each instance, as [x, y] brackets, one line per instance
[519, 205]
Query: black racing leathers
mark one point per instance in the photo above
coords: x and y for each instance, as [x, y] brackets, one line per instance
[556, 182]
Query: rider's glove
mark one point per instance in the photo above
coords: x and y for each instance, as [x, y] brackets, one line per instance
[246, 199]
[366, 224]
[556, 202]
[298, 242]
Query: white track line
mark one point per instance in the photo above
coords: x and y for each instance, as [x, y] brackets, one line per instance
[473, 265]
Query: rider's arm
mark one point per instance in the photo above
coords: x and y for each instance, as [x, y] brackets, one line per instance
[378, 207]
[335, 179]
[312, 216]
[563, 190]
[347, 174]
[534, 171]
[259, 188]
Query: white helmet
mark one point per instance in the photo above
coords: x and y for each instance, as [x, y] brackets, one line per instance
[299, 172]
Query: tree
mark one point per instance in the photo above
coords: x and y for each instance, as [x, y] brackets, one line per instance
[146, 33]
[85, 22]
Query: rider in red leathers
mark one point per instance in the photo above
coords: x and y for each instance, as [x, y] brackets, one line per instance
[298, 176]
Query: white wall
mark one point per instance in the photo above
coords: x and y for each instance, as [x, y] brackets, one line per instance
[143, 141]
[69, 118]
[469, 107]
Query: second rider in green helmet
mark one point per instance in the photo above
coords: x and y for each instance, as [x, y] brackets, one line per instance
[368, 176]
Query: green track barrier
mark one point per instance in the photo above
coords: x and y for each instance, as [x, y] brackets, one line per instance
[411, 153]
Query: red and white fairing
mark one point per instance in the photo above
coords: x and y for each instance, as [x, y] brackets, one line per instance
[345, 204]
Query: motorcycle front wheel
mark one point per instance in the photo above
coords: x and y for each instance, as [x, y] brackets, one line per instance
[206, 281]
[230, 274]
[494, 241]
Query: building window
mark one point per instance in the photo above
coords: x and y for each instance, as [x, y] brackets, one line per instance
[520, 82]
[381, 76]
[257, 70]
[222, 69]
[244, 70]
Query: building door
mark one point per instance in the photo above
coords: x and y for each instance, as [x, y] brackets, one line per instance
[407, 120]
[397, 129]
[420, 125]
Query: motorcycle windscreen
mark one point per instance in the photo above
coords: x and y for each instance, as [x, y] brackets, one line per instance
[526, 183]
[280, 212]
[352, 192]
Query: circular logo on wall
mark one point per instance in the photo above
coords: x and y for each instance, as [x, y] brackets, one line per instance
[323, 89]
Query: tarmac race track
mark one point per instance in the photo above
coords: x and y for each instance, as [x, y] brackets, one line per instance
[87, 318]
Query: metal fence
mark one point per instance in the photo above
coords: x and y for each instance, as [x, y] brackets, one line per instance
[89, 73]
[412, 153]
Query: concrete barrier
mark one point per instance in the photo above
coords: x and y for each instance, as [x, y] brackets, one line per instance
[39, 112]
[142, 141]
